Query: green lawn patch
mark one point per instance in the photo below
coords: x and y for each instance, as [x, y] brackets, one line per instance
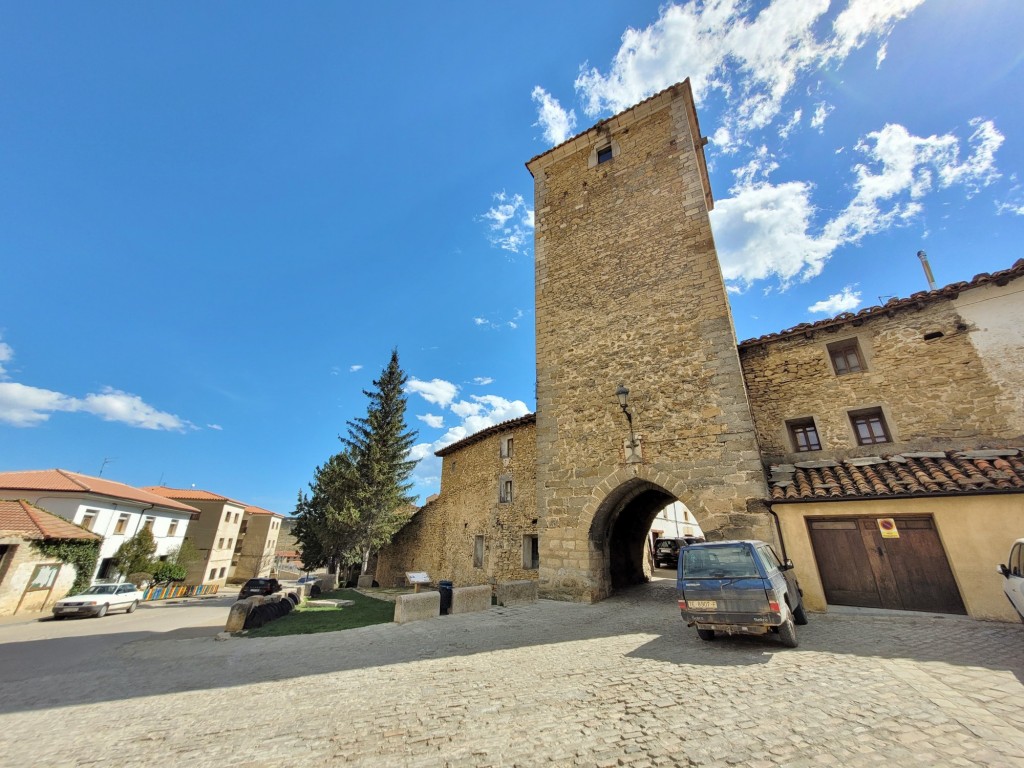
[307, 620]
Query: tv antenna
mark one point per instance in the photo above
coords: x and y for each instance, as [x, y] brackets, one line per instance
[106, 460]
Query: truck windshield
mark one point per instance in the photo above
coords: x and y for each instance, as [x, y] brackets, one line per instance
[719, 563]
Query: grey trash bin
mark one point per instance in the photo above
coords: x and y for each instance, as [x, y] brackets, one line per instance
[445, 588]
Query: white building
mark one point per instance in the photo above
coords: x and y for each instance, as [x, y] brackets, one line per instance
[674, 522]
[110, 509]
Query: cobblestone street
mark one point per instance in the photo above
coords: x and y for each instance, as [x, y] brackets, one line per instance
[623, 682]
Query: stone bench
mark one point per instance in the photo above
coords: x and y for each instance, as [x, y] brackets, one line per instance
[417, 606]
[469, 599]
[517, 592]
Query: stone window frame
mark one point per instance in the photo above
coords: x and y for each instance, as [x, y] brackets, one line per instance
[857, 342]
[506, 487]
[879, 414]
[792, 425]
[531, 545]
[599, 146]
[479, 550]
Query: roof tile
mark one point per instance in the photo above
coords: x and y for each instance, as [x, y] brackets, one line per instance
[63, 481]
[19, 517]
[956, 472]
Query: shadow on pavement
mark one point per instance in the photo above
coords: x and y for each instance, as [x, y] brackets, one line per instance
[189, 659]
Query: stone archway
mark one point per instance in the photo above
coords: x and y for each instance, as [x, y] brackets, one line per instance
[618, 534]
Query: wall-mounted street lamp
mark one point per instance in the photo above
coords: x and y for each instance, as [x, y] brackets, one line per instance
[633, 447]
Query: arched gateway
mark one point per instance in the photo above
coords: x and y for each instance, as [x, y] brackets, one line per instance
[629, 296]
[629, 292]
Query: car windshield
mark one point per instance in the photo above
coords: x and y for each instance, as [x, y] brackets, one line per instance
[100, 589]
[719, 563]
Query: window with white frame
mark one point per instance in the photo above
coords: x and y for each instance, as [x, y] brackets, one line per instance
[173, 529]
[122, 523]
[506, 447]
[89, 519]
[147, 523]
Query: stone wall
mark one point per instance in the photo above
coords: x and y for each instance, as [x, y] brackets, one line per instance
[16, 571]
[629, 290]
[934, 393]
[440, 537]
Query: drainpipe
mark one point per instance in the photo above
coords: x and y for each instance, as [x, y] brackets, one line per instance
[778, 530]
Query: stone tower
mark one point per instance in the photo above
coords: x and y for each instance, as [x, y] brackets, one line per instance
[629, 292]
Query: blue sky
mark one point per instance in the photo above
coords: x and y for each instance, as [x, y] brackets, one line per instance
[217, 220]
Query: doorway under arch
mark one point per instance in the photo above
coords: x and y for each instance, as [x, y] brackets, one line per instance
[618, 532]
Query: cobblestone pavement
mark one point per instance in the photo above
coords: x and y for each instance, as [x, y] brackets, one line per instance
[623, 682]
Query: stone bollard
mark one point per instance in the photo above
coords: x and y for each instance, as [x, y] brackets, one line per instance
[237, 616]
[365, 581]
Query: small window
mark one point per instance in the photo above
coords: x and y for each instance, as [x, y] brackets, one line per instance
[147, 523]
[846, 357]
[220, 543]
[869, 426]
[604, 154]
[213, 573]
[122, 523]
[230, 543]
[236, 516]
[221, 574]
[506, 447]
[505, 493]
[531, 552]
[804, 435]
[227, 516]
[89, 519]
[173, 529]
[478, 551]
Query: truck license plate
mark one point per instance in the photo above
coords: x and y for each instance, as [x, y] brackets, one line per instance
[703, 605]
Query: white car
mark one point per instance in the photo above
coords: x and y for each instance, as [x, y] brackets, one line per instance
[98, 599]
[1013, 577]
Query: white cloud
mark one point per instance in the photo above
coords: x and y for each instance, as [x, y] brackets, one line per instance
[752, 57]
[483, 380]
[794, 121]
[480, 321]
[22, 405]
[354, 368]
[556, 123]
[765, 230]
[844, 301]
[431, 420]
[762, 231]
[26, 406]
[436, 391]
[821, 113]
[216, 427]
[6, 355]
[510, 221]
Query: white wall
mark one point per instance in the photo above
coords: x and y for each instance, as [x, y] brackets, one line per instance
[675, 521]
[107, 513]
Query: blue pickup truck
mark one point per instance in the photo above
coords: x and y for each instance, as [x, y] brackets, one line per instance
[738, 587]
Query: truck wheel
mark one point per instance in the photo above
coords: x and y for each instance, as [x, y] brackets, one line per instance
[706, 634]
[799, 614]
[787, 634]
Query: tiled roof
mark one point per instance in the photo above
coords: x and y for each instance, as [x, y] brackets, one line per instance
[63, 481]
[504, 426]
[918, 299]
[918, 473]
[190, 494]
[29, 521]
[260, 511]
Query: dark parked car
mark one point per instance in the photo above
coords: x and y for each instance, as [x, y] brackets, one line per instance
[666, 550]
[259, 587]
[739, 587]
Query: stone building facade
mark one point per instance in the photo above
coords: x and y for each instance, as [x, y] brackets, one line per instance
[630, 296]
[482, 527]
[629, 292]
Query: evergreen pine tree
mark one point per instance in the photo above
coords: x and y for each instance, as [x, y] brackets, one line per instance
[378, 446]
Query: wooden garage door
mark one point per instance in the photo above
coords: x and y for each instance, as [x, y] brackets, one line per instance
[859, 567]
